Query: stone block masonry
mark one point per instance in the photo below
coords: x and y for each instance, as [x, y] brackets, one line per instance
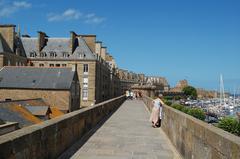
[49, 139]
[196, 139]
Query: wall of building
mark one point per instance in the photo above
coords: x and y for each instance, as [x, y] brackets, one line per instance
[196, 139]
[91, 75]
[59, 99]
[50, 139]
[10, 59]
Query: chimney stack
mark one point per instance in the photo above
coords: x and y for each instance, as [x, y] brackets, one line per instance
[103, 52]
[90, 40]
[73, 36]
[41, 40]
[98, 48]
[8, 33]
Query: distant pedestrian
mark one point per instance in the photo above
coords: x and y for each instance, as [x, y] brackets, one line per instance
[127, 94]
[156, 115]
[131, 95]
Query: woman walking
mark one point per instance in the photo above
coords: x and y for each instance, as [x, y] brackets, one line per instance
[156, 114]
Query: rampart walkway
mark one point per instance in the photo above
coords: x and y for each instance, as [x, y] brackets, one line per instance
[127, 134]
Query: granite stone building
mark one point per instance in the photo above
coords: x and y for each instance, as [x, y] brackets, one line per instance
[59, 87]
[93, 71]
[100, 78]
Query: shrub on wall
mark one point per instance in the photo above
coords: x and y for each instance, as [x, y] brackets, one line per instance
[167, 102]
[230, 124]
[195, 112]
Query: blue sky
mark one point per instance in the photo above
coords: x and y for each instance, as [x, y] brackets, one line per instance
[178, 39]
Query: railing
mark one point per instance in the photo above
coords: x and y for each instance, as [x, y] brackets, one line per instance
[194, 138]
[51, 138]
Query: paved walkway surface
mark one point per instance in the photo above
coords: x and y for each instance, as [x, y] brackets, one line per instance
[127, 134]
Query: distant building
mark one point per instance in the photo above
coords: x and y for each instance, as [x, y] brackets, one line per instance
[57, 86]
[93, 71]
[99, 77]
[161, 83]
[179, 86]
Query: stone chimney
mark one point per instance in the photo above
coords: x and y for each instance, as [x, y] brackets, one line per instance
[98, 48]
[90, 40]
[8, 33]
[41, 40]
[103, 52]
[73, 36]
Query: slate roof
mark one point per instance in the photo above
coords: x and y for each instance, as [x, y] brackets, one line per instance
[59, 46]
[38, 110]
[15, 113]
[36, 78]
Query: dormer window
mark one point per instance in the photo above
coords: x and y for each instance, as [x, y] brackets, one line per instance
[65, 54]
[82, 55]
[53, 54]
[33, 54]
[43, 54]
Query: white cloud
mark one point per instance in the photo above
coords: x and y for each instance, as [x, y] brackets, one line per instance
[7, 9]
[72, 14]
[93, 19]
[22, 4]
[69, 14]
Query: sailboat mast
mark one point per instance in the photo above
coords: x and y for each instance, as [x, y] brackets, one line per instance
[234, 96]
[222, 93]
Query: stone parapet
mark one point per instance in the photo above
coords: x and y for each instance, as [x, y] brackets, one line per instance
[51, 138]
[196, 139]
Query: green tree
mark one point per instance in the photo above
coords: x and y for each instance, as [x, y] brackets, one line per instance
[190, 92]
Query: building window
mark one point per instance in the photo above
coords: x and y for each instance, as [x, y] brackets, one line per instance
[57, 65]
[51, 65]
[85, 68]
[85, 82]
[65, 54]
[85, 94]
[43, 54]
[64, 65]
[41, 65]
[33, 54]
[53, 54]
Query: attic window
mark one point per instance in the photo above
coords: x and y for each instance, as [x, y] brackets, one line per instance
[53, 54]
[82, 55]
[33, 54]
[43, 54]
[65, 54]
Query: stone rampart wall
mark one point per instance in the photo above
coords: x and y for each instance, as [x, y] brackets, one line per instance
[196, 139]
[51, 138]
